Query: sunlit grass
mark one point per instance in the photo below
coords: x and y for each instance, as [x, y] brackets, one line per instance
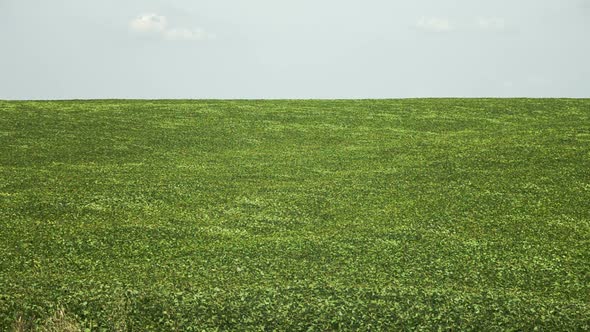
[375, 214]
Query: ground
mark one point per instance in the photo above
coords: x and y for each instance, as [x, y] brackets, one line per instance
[465, 214]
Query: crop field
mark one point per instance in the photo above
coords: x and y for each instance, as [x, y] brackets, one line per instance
[450, 214]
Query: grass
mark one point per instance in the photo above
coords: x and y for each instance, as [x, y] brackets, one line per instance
[295, 215]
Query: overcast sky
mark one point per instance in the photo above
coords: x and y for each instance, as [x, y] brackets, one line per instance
[68, 49]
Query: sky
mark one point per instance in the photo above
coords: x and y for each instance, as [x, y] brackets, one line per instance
[238, 49]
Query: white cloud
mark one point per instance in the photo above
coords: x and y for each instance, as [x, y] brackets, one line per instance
[149, 23]
[154, 24]
[435, 24]
[491, 23]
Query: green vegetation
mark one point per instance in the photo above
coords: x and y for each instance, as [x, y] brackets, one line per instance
[295, 215]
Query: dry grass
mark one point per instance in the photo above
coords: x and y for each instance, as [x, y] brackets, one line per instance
[59, 322]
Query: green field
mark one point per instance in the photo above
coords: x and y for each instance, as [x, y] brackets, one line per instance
[463, 214]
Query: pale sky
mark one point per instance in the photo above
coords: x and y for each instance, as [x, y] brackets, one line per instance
[71, 49]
